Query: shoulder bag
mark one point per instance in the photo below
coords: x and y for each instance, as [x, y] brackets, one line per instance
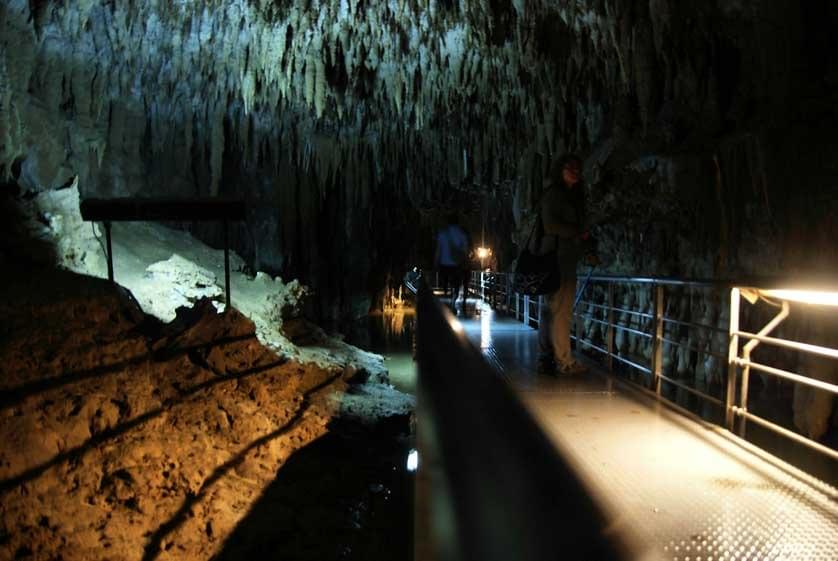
[535, 274]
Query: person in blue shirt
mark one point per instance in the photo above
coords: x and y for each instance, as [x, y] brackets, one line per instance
[452, 253]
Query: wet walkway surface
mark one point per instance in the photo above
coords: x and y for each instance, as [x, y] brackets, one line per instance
[681, 488]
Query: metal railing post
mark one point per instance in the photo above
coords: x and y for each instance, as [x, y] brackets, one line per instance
[110, 249]
[610, 343]
[732, 355]
[527, 310]
[657, 346]
[746, 356]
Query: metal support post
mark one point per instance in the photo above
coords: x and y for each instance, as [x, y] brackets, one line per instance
[526, 309]
[227, 264]
[657, 346]
[109, 250]
[746, 356]
[732, 355]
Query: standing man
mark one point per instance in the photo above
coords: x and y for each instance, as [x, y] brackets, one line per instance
[452, 249]
[563, 219]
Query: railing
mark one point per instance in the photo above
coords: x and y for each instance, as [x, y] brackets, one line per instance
[736, 361]
[157, 210]
[496, 288]
[720, 340]
[508, 494]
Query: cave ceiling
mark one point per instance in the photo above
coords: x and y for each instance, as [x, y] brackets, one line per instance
[466, 85]
[677, 107]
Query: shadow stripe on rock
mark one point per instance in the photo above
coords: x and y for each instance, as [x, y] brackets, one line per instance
[13, 396]
[153, 548]
[111, 433]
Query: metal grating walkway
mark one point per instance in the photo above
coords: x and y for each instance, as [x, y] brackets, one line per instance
[684, 489]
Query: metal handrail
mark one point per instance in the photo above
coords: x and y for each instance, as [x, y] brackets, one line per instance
[505, 506]
[795, 345]
[694, 349]
[619, 358]
[800, 439]
[620, 310]
[663, 281]
[659, 318]
[735, 402]
[780, 373]
[693, 324]
[739, 408]
[615, 325]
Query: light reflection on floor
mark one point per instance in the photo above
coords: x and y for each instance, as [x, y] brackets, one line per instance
[508, 345]
[684, 490]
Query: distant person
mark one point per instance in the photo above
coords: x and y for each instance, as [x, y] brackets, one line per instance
[451, 258]
[563, 218]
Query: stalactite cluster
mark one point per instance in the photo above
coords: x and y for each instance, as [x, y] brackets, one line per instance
[443, 78]
[318, 111]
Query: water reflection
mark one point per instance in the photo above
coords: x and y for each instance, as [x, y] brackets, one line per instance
[390, 334]
[394, 325]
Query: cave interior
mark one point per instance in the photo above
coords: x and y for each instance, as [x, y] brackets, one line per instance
[351, 129]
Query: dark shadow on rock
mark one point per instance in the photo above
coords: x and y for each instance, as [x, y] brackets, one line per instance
[163, 341]
[111, 433]
[346, 496]
[153, 548]
[13, 396]
[19, 244]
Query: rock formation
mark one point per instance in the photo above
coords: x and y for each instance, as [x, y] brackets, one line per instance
[339, 120]
[707, 129]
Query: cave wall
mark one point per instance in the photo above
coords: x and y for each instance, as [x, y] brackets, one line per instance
[707, 128]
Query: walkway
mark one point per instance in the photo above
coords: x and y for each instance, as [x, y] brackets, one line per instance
[686, 490]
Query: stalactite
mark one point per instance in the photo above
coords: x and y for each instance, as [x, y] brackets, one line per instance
[414, 77]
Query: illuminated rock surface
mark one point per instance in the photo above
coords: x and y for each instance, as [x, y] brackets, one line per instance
[124, 437]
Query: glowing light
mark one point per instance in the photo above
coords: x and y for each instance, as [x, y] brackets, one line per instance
[455, 325]
[413, 460]
[821, 298]
[483, 252]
